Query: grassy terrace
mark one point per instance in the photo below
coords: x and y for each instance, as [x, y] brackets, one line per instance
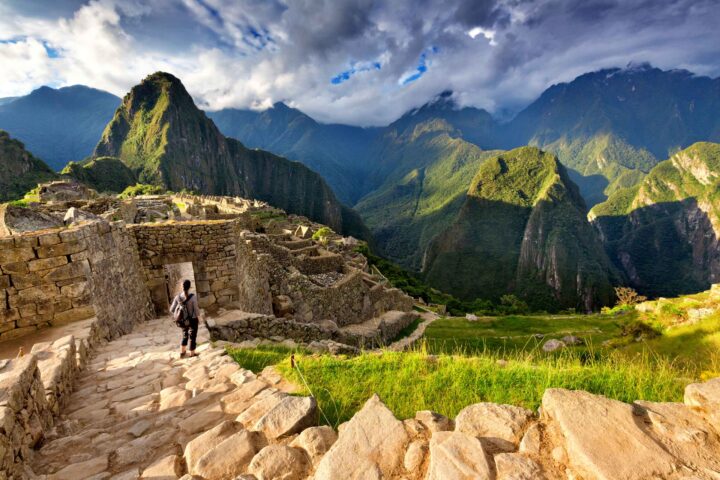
[516, 333]
[628, 355]
[445, 383]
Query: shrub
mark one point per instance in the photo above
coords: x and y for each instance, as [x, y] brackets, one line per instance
[513, 305]
[627, 296]
[141, 189]
[322, 234]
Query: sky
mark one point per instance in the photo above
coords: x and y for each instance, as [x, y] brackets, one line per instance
[357, 62]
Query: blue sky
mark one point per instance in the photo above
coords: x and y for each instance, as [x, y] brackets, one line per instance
[362, 62]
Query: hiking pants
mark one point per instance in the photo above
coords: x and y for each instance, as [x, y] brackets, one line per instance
[191, 333]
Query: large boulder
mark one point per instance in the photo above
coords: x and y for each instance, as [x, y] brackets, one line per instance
[291, 415]
[457, 456]
[371, 445]
[15, 220]
[684, 432]
[499, 426]
[315, 442]
[279, 462]
[202, 444]
[229, 458]
[706, 398]
[603, 439]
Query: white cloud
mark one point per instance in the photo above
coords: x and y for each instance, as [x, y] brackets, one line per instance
[252, 53]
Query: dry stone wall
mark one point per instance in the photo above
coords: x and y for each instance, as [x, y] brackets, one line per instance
[209, 245]
[66, 275]
[24, 414]
[349, 299]
[235, 326]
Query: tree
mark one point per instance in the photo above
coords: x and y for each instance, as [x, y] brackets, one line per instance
[627, 297]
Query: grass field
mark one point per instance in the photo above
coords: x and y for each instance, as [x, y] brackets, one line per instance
[500, 359]
[412, 381]
[515, 333]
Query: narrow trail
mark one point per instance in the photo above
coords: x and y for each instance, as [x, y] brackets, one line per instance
[137, 405]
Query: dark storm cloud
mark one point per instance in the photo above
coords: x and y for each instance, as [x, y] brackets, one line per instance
[357, 61]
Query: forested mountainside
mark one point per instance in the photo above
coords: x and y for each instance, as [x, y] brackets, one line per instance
[523, 229]
[21, 171]
[663, 233]
[161, 135]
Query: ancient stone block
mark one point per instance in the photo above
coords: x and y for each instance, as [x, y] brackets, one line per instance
[60, 249]
[49, 239]
[37, 294]
[17, 267]
[12, 255]
[70, 270]
[46, 263]
[73, 315]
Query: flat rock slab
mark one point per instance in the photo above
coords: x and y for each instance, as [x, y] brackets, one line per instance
[372, 442]
[82, 469]
[603, 438]
[501, 425]
[457, 456]
[290, 416]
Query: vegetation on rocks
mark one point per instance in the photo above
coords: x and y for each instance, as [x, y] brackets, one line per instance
[21, 171]
[446, 383]
[141, 189]
[104, 174]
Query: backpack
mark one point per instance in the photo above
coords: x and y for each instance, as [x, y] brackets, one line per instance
[181, 315]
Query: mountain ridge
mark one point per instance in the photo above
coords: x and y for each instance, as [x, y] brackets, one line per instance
[161, 135]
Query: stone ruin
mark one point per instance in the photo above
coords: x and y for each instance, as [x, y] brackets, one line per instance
[250, 284]
[97, 391]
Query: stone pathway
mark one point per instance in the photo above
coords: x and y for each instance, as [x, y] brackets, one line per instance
[407, 342]
[137, 406]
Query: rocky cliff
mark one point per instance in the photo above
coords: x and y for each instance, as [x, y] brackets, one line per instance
[663, 233]
[20, 171]
[522, 229]
[166, 140]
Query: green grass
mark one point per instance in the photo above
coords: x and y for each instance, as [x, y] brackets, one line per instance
[516, 333]
[256, 359]
[408, 382]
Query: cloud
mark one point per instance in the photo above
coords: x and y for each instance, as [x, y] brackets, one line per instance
[321, 55]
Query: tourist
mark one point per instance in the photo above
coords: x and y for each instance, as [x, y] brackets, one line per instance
[190, 329]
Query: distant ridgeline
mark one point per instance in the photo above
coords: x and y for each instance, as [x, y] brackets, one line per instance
[421, 183]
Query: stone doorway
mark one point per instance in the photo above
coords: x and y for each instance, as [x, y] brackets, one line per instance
[175, 275]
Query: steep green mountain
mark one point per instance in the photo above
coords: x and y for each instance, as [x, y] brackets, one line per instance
[522, 229]
[20, 171]
[59, 125]
[104, 174]
[612, 126]
[337, 152]
[663, 233]
[425, 168]
[161, 135]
